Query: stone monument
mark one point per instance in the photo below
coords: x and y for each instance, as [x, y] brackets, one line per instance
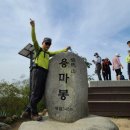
[67, 88]
[67, 98]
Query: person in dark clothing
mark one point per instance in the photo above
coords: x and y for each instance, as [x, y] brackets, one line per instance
[108, 69]
[104, 74]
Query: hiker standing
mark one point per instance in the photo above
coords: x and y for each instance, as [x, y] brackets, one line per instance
[106, 70]
[39, 73]
[97, 63]
[117, 66]
[128, 63]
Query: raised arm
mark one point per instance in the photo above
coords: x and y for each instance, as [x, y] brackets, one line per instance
[57, 52]
[34, 39]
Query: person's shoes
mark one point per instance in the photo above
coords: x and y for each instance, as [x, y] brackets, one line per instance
[36, 117]
[43, 113]
[25, 115]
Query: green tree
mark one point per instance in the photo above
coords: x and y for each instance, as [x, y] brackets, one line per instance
[14, 97]
[10, 98]
[88, 64]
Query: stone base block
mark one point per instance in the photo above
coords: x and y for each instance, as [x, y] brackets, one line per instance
[92, 122]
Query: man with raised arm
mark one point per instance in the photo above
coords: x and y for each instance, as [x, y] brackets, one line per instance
[39, 73]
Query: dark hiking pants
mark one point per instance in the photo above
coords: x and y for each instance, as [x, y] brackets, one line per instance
[98, 71]
[39, 76]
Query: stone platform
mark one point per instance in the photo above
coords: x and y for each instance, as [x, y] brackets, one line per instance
[90, 123]
[108, 83]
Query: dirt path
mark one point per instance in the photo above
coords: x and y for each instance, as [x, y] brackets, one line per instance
[122, 123]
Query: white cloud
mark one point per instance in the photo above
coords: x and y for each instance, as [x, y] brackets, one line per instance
[87, 25]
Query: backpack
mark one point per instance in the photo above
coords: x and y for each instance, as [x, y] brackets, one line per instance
[122, 77]
[37, 53]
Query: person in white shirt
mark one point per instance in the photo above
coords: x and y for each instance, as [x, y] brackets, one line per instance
[98, 66]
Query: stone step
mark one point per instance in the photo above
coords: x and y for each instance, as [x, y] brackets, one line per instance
[110, 108]
[109, 101]
[109, 90]
[111, 113]
[109, 97]
[108, 83]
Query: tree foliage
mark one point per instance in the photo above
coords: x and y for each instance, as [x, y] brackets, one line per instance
[88, 64]
[14, 97]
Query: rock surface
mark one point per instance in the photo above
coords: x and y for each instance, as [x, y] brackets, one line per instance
[4, 126]
[67, 88]
[90, 123]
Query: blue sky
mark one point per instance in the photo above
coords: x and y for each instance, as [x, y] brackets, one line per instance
[88, 26]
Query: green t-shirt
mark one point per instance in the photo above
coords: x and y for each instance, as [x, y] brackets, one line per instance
[42, 59]
[128, 59]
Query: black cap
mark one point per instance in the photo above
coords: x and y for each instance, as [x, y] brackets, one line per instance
[128, 42]
[96, 54]
[47, 40]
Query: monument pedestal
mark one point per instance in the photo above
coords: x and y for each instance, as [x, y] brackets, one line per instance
[92, 122]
